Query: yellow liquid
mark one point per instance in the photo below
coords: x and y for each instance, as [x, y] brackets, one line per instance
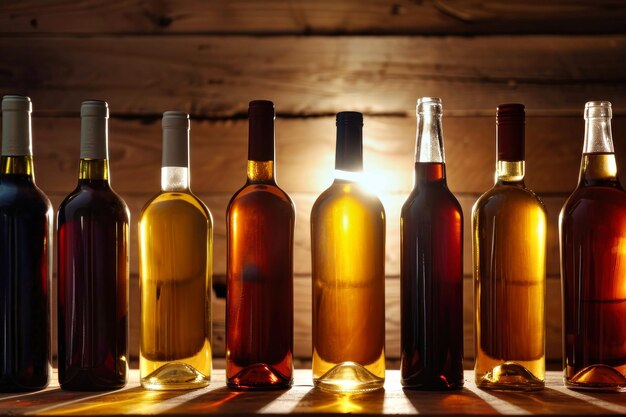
[175, 239]
[509, 242]
[348, 254]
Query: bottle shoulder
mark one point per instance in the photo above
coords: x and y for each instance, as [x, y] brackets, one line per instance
[595, 200]
[431, 199]
[25, 195]
[85, 199]
[509, 195]
[173, 203]
[261, 194]
[340, 193]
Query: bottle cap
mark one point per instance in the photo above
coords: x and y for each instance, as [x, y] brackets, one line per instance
[349, 154]
[16, 125]
[175, 139]
[510, 131]
[94, 115]
[261, 117]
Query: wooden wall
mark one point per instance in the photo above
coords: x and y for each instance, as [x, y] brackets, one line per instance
[314, 58]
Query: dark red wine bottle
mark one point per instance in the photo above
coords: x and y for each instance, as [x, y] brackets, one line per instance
[431, 266]
[259, 302]
[25, 257]
[93, 269]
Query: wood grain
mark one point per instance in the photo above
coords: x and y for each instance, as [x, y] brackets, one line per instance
[216, 76]
[305, 151]
[439, 17]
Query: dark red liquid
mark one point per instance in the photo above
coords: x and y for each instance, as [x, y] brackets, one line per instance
[93, 288]
[593, 245]
[24, 275]
[259, 302]
[431, 284]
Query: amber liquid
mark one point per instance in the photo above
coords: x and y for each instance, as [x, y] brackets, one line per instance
[509, 245]
[25, 233]
[259, 303]
[431, 283]
[593, 265]
[175, 232]
[348, 261]
[93, 288]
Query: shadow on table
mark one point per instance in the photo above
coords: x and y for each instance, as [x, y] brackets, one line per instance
[458, 402]
[547, 401]
[225, 400]
[318, 401]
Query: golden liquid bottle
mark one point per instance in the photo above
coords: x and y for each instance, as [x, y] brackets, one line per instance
[509, 247]
[175, 239]
[348, 261]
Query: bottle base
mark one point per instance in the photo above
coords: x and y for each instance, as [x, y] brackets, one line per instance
[259, 377]
[88, 380]
[175, 376]
[597, 378]
[510, 376]
[349, 377]
[13, 386]
[432, 384]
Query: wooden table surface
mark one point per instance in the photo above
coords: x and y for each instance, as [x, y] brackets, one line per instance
[218, 400]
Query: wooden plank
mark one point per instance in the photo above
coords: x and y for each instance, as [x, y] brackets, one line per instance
[303, 399]
[313, 17]
[313, 75]
[305, 151]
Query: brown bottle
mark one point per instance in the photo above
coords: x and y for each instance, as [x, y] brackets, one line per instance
[259, 302]
[593, 264]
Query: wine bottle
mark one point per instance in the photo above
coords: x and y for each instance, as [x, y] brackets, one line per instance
[593, 264]
[259, 304]
[348, 267]
[509, 247]
[92, 241]
[431, 273]
[175, 239]
[25, 257]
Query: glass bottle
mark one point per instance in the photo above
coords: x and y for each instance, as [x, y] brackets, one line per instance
[93, 236]
[348, 267]
[259, 304]
[25, 257]
[431, 276]
[509, 247]
[593, 264]
[175, 249]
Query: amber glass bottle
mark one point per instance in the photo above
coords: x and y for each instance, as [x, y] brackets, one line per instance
[259, 304]
[25, 257]
[93, 272]
[509, 246]
[175, 248]
[431, 276]
[348, 261]
[593, 264]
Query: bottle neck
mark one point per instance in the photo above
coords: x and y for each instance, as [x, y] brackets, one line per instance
[174, 179]
[510, 172]
[21, 165]
[429, 154]
[91, 170]
[260, 172]
[598, 165]
[349, 151]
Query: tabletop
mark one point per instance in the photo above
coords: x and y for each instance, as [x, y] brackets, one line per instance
[302, 398]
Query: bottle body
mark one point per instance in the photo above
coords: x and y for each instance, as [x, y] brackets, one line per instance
[509, 246]
[348, 266]
[175, 238]
[93, 261]
[25, 271]
[592, 227]
[431, 283]
[259, 303]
